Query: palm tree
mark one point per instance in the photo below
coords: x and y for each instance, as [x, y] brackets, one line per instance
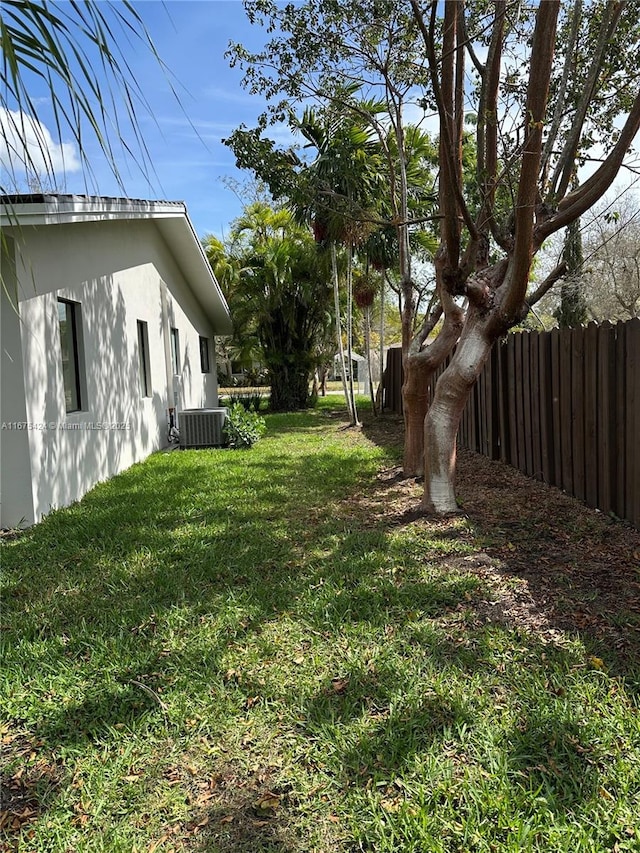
[279, 299]
[337, 195]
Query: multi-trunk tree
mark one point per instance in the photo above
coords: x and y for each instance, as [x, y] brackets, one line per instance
[541, 84]
[549, 78]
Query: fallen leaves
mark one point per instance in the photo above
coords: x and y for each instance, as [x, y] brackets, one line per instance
[268, 803]
[21, 797]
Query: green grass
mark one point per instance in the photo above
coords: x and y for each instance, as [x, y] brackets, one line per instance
[231, 651]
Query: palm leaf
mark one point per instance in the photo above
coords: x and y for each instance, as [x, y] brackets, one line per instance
[75, 49]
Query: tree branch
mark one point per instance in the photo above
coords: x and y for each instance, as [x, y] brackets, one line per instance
[537, 95]
[569, 67]
[581, 199]
[566, 163]
[555, 275]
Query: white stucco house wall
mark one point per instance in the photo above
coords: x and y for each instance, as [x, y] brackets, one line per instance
[109, 311]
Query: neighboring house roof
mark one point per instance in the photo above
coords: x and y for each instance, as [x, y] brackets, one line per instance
[170, 218]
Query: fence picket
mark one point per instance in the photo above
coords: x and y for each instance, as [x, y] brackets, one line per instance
[566, 423]
[577, 412]
[536, 413]
[606, 382]
[591, 440]
[632, 490]
[563, 405]
[546, 408]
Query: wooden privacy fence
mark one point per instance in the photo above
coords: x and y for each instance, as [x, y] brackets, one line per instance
[562, 406]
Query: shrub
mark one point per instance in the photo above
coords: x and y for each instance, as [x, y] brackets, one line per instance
[249, 400]
[243, 427]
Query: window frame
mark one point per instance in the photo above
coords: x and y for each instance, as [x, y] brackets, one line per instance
[175, 350]
[73, 365]
[205, 360]
[144, 360]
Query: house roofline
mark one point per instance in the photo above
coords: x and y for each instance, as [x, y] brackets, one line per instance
[171, 220]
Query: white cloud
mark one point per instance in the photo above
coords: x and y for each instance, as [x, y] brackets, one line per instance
[27, 148]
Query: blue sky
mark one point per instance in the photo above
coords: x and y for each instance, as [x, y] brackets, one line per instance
[183, 138]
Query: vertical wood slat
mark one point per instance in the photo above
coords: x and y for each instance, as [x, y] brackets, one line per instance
[520, 422]
[591, 440]
[471, 418]
[546, 411]
[606, 380]
[619, 406]
[535, 427]
[482, 411]
[632, 487]
[577, 411]
[463, 434]
[555, 406]
[485, 410]
[512, 341]
[566, 425]
[494, 417]
[502, 401]
[526, 403]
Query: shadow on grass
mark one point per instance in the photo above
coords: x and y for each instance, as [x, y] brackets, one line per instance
[190, 537]
[581, 567]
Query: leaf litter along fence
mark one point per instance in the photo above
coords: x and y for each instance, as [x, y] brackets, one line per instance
[561, 406]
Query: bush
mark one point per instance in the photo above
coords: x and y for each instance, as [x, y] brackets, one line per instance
[243, 427]
[250, 400]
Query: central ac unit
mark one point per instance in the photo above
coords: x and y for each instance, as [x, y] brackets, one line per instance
[202, 427]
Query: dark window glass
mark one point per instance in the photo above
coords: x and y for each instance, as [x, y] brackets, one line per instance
[204, 355]
[175, 351]
[69, 319]
[143, 354]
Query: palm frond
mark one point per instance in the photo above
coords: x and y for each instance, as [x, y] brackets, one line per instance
[78, 51]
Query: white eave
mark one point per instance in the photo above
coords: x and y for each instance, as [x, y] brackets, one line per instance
[170, 218]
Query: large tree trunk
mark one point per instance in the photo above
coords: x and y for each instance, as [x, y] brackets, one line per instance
[419, 365]
[415, 403]
[443, 418]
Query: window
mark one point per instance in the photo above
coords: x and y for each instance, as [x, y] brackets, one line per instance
[69, 318]
[143, 356]
[204, 355]
[175, 351]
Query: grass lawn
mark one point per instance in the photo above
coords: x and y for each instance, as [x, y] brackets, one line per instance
[264, 651]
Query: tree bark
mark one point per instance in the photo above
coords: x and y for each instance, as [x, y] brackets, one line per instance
[336, 300]
[443, 418]
[415, 403]
[419, 365]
